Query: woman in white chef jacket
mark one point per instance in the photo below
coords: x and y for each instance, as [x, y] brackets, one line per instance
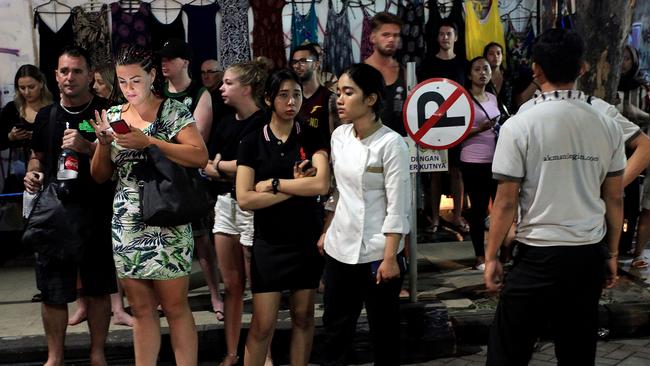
[365, 240]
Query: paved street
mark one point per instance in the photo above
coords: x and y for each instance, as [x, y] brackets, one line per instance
[445, 277]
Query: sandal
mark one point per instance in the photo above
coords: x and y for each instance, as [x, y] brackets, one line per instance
[234, 359]
[218, 311]
[639, 262]
[462, 227]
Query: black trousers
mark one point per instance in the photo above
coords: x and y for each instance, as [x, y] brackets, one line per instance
[480, 187]
[552, 287]
[347, 288]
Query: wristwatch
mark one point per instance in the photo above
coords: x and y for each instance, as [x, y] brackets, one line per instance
[275, 183]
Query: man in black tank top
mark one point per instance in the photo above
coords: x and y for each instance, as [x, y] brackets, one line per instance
[315, 110]
[385, 37]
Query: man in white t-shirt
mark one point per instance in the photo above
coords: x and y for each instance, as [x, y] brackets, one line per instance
[561, 163]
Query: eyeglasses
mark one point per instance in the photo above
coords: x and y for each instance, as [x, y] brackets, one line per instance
[206, 72]
[302, 61]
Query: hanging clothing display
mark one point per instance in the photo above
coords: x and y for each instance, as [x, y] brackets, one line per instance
[480, 32]
[234, 32]
[435, 18]
[91, 32]
[304, 28]
[161, 32]
[201, 34]
[366, 48]
[268, 36]
[338, 44]
[51, 44]
[412, 15]
[130, 28]
[519, 44]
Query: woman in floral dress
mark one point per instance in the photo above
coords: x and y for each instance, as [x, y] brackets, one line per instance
[153, 263]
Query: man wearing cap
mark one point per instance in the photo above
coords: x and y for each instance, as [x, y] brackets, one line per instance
[176, 56]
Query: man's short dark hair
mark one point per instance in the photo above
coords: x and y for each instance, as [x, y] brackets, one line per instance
[306, 47]
[560, 54]
[76, 51]
[384, 17]
[450, 24]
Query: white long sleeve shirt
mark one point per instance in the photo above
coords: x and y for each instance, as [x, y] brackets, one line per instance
[372, 178]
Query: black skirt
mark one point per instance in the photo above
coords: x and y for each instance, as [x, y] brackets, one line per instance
[283, 266]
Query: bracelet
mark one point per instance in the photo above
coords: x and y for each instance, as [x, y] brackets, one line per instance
[275, 183]
[611, 255]
[216, 167]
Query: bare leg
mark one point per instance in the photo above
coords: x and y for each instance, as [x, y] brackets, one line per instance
[643, 233]
[99, 317]
[146, 323]
[230, 255]
[458, 193]
[247, 265]
[80, 314]
[206, 255]
[265, 315]
[173, 298]
[302, 326]
[55, 322]
[120, 317]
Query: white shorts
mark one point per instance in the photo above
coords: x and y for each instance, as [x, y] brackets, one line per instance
[230, 219]
[645, 200]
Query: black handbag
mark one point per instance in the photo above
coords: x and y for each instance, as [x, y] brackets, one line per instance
[55, 227]
[170, 194]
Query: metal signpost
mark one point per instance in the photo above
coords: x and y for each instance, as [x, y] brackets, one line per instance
[438, 114]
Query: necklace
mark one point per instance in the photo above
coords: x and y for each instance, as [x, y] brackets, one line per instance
[71, 112]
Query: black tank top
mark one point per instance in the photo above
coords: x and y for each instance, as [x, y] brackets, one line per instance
[391, 116]
[190, 96]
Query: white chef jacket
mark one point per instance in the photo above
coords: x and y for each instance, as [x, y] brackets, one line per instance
[372, 177]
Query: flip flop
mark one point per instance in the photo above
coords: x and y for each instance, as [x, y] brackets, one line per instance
[639, 262]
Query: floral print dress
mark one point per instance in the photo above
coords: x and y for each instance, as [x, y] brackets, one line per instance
[141, 251]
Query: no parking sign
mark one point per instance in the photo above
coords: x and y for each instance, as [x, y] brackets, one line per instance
[438, 113]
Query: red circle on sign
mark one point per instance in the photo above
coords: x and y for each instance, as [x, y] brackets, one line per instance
[413, 135]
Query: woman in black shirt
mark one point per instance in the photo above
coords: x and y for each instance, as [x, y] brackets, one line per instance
[275, 180]
[17, 120]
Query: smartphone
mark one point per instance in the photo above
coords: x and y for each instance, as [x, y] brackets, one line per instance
[120, 127]
[306, 167]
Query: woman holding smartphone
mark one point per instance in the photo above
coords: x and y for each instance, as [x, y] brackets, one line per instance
[17, 120]
[233, 227]
[153, 263]
[365, 240]
[273, 182]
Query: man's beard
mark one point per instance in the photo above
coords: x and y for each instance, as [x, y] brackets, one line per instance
[307, 75]
[385, 52]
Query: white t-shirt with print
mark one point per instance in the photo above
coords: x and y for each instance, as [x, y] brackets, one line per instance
[561, 151]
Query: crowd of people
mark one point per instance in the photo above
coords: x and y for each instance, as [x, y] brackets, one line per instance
[308, 174]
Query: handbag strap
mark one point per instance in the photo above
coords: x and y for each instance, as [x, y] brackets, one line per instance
[483, 109]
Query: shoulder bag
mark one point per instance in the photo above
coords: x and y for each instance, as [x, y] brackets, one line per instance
[170, 194]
